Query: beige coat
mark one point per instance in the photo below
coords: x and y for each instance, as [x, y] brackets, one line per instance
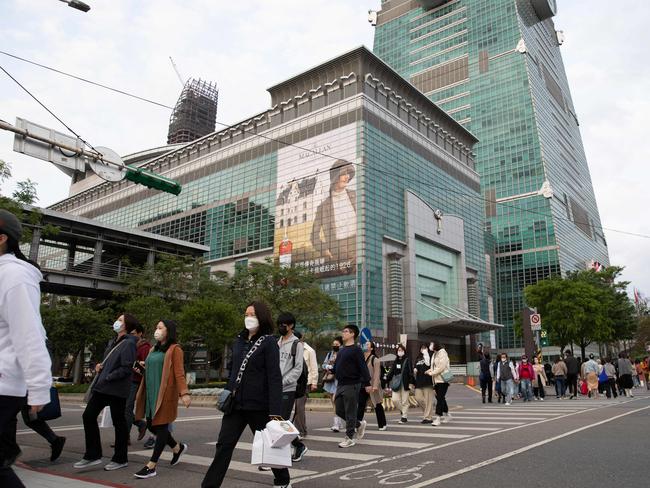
[439, 364]
[374, 368]
[172, 386]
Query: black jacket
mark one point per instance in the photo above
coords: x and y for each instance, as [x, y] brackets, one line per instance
[350, 367]
[116, 374]
[261, 385]
[486, 373]
[422, 379]
[402, 366]
[572, 365]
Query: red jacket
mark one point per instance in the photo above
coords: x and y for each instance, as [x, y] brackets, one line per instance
[142, 352]
[526, 371]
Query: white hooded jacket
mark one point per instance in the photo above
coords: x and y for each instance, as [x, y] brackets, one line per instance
[25, 366]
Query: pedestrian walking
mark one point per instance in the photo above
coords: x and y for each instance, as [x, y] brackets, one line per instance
[485, 377]
[299, 418]
[559, 376]
[25, 366]
[157, 398]
[506, 375]
[610, 386]
[351, 375]
[526, 378]
[424, 392]
[439, 371]
[41, 427]
[501, 398]
[625, 372]
[142, 351]
[376, 395]
[573, 368]
[646, 371]
[291, 368]
[111, 388]
[400, 379]
[330, 383]
[540, 380]
[257, 397]
[590, 375]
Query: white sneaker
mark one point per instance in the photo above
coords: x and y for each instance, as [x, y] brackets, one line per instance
[112, 466]
[541, 399]
[508, 403]
[334, 428]
[446, 418]
[361, 430]
[347, 443]
[86, 463]
[385, 427]
[436, 421]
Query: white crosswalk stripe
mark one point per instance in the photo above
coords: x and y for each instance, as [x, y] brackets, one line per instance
[339, 454]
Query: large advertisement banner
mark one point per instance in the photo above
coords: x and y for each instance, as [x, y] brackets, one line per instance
[316, 204]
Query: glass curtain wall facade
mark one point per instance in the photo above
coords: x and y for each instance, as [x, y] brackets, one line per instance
[495, 66]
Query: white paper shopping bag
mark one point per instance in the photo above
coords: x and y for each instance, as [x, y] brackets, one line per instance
[281, 432]
[265, 455]
[105, 419]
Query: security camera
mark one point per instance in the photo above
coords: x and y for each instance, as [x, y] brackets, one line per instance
[372, 17]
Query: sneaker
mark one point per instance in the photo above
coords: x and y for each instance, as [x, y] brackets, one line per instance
[361, 430]
[347, 443]
[508, 403]
[146, 472]
[426, 421]
[385, 427]
[149, 443]
[541, 399]
[446, 418]
[334, 428]
[301, 450]
[112, 466]
[176, 457]
[57, 447]
[142, 430]
[86, 463]
[436, 421]
[403, 420]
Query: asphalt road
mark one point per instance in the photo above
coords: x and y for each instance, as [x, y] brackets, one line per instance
[578, 443]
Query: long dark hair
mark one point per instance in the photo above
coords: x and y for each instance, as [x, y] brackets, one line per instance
[171, 327]
[14, 247]
[263, 314]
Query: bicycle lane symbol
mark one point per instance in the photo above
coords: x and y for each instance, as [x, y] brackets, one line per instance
[392, 477]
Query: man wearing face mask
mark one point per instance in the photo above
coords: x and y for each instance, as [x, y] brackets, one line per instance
[111, 388]
[526, 376]
[291, 366]
[506, 374]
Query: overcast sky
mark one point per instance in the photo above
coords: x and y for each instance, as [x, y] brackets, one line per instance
[249, 45]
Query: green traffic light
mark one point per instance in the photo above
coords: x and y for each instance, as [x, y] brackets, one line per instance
[152, 180]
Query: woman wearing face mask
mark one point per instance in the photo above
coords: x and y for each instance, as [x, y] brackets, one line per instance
[162, 384]
[111, 388]
[377, 394]
[400, 379]
[440, 365]
[257, 398]
[424, 384]
[330, 383]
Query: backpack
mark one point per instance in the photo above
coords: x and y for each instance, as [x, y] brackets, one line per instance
[301, 387]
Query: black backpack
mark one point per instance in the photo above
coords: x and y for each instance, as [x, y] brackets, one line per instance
[301, 387]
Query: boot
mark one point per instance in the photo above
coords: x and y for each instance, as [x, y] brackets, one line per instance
[483, 398]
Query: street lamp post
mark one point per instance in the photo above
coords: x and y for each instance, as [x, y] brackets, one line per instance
[77, 4]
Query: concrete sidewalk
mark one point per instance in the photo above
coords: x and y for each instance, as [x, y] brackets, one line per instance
[43, 478]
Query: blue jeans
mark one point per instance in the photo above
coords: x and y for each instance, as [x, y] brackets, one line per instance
[527, 389]
[560, 386]
[508, 389]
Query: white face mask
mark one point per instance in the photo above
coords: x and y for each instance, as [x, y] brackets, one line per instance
[117, 326]
[158, 335]
[251, 323]
[400, 353]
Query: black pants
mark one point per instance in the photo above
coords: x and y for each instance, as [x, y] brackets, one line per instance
[572, 384]
[38, 426]
[9, 450]
[538, 390]
[346, 404]
[610, 388]
[441, 400]
[232, 427]
[361, 408]
[91, 430]
[163, 438]
[486, 384]
[288, 399]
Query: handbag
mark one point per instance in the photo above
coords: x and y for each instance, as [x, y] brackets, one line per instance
[602, 377]
[226, 402]
[447, 376]
[396, 382]
[52, 410]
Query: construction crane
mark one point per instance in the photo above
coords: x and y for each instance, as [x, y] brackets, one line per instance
[178, 73]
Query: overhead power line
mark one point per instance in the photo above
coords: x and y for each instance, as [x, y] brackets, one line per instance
[311, 150]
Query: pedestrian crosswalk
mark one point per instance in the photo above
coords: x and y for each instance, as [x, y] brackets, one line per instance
[468, 422]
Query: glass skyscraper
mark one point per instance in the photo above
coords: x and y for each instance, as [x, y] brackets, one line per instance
[495, 66]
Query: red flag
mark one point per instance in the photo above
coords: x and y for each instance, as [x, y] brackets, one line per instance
[637, 297]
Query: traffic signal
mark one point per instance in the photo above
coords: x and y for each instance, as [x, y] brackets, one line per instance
[152, 180]
[544, 338]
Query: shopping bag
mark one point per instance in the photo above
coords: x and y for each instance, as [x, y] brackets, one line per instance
[265, 455]
[583, 388]
[52, 410]
[281, 432]
[106, 420]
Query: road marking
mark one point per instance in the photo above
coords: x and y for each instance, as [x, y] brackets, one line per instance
[192, 419]
[369, 442]
[488, 420]
[55, 429]
[442, 446]
[428, 427]
[341, 454]
[456, 420]
[235, 465]
[501, 414]
[507, 455]
[393, 433]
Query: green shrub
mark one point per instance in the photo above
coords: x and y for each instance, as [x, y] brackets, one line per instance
[214, 384]
[83, 388]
